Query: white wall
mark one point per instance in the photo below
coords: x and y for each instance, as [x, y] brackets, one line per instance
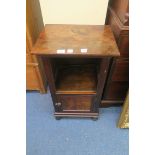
[91, 12]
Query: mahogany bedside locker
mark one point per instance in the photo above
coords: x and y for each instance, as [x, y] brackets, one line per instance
[76, 60]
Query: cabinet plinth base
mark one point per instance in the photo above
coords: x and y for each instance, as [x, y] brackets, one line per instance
[84, 115]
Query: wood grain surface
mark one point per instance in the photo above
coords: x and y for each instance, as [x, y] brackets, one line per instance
[97, 39]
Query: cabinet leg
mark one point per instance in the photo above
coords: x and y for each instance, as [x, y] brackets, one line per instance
[94, 118]
[57, 118]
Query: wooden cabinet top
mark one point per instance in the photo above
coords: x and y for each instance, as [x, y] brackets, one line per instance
[76, 40]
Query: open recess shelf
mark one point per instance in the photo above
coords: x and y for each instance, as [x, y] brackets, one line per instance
[76, 79]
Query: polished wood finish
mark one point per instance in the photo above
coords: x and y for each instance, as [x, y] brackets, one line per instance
[104, 68]
[118, 81]
[121, 8]
[118, 78]
[31, 77]
[117, 91]
[76, 80]
[50, 78]
[76, 103]
[121, 32]
[121, 71]
[35, 76]
[123, 44]
[76, 114]
[98, 40]
[110, 103]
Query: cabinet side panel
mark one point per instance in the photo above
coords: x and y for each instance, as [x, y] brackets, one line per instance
[34, 25]
[118, 78]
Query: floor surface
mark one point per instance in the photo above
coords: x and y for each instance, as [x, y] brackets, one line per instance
[47, 136]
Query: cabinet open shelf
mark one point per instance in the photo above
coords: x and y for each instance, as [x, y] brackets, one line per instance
[76, 79]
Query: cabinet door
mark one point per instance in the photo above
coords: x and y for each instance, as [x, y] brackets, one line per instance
[75, 103]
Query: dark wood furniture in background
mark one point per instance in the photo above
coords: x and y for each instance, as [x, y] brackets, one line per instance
[76, 78]
[118, 79]
[35, 76]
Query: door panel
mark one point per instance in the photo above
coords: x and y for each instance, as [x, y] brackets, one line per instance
[75, 103]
